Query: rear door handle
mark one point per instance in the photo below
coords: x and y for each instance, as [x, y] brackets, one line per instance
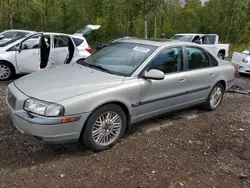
[212, 74]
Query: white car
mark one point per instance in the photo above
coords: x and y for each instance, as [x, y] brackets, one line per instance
[13, 33]
[208, 41]
[242, 61]
[27, 54]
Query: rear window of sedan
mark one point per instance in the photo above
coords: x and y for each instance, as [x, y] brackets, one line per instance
[122, 58]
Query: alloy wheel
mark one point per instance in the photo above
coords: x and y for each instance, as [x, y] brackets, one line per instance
[5, 72]
[216, 97]
[107, 128]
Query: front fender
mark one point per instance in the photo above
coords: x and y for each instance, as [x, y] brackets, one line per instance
[126, 93]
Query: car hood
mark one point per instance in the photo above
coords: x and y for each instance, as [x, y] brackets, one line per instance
[65, 81]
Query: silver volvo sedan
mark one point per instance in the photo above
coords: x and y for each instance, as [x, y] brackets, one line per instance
[97, 99]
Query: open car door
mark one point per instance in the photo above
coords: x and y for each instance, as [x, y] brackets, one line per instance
[28, 54]
[72, 51]
[87, 30]
[88, 33]
[63, 50]
[45, 51]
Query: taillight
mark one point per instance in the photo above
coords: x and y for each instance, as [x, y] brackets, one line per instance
[89, 49]
[235, 70]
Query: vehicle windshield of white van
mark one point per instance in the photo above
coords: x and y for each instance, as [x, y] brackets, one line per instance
[120, 58]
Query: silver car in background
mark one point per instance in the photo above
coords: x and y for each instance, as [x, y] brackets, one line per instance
[8, 35]
[97, 99]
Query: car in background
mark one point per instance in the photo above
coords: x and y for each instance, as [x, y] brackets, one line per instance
[103, 45]
[13, 33]
[132, 80]
[27, 54]
[241, 60]
[208, 41]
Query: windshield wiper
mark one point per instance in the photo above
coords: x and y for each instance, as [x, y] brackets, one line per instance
[84, 63]
[87, 64]
[100, 68]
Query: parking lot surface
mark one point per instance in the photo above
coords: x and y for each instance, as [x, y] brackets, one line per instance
[192, 148]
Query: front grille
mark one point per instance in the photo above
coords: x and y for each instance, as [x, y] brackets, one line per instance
[11, 99]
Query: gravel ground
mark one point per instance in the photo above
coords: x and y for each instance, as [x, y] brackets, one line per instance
[193, 148]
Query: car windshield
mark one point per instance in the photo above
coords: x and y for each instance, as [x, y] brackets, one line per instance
[120, 58]
[182, 37]
[11, 41]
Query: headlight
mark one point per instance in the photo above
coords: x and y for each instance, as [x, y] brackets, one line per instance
[43, 108]
[245, 60]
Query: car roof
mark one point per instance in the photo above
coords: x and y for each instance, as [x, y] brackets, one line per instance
[158, 42]
[65, 34]
[17, 30]
[193, 34]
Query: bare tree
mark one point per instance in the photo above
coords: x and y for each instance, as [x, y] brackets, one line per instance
[9, 2]
[155, 17]
[232, 17]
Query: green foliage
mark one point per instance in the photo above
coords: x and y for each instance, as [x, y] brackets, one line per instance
[230, 19]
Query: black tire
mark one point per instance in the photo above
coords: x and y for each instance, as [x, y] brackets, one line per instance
[86, 135]
[207, 104]
[11, 71]
[221, 55]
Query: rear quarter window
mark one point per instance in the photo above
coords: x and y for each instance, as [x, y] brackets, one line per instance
[213, 60]
[77, 41]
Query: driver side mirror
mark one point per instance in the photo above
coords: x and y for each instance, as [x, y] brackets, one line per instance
[1, 37]
[154, 74]
[18, 47]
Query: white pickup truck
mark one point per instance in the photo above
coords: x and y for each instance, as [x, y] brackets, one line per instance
[208, 41]
[242, 61]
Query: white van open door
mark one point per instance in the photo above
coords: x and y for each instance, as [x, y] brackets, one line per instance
[28, 54]
[87, 30]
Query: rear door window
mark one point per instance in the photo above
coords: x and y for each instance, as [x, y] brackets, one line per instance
[197, 58]
[209, 39]
[61, 41]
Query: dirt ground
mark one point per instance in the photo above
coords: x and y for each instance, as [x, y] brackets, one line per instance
[193, 148]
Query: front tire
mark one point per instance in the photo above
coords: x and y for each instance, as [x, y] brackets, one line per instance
[215, 97]
[104, 128]
[6, 71]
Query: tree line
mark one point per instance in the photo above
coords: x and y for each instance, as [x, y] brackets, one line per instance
[142, 18]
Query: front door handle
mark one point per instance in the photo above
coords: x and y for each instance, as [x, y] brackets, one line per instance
[212, 74]
[182, 79]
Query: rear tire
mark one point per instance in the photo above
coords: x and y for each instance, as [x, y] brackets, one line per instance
[6, 71]
[104, 128]
[215, 97]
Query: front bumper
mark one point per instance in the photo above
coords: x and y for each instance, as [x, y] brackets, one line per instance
[44, 129]
[242, 68]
